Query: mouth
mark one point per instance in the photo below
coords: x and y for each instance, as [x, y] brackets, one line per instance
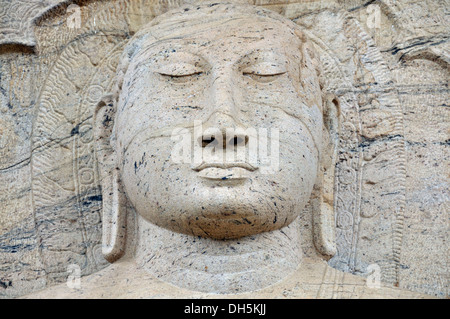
[225, 171]
[244, 165]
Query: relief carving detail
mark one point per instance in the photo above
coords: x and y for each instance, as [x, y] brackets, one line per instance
[203, 148]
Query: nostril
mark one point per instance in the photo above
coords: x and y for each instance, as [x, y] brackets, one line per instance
[209, 141]
[238, 141]
[235, 141]
[217, 140]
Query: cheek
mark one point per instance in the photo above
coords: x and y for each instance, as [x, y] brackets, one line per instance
[143, 162]
[279, 107]
[261, 100]
[152, 180]
[298, 164]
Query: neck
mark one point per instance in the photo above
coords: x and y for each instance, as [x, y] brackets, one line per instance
[218, 266]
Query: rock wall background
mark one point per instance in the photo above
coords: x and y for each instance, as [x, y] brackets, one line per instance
[388, 62]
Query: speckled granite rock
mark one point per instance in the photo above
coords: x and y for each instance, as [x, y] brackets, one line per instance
[312, 280]
[384, 207]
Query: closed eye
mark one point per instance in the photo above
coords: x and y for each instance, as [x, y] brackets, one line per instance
[263, 78]
[264, 71]
[181, 78]
[180, 72]
[180, 75]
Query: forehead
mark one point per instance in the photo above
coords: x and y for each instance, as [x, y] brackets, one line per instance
[224, 39]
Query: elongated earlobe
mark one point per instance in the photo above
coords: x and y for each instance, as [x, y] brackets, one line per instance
[114, 220]
[324, 232]
[113, 197]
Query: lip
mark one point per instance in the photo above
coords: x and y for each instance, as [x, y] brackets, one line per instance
[224, 174]
[225, 171]
[225, 166]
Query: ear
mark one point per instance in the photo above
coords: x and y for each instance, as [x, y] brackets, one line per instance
[323, 200]
[114, 200]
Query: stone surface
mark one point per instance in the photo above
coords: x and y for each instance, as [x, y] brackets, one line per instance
[312, 280]
[386, 63]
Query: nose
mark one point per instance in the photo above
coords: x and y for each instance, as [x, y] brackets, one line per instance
[223, 127]
[223, 131]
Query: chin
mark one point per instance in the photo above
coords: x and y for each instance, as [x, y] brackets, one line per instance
[235, 220]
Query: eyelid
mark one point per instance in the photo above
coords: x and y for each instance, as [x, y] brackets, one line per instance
[265, 69]
[179, 69]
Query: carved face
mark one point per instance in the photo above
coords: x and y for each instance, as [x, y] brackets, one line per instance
[242, 74]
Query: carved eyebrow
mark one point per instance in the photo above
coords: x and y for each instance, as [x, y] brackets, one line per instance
[180, 56]
[174, 62]
[263, 62]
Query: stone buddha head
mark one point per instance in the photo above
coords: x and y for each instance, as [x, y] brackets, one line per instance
[217, 77]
